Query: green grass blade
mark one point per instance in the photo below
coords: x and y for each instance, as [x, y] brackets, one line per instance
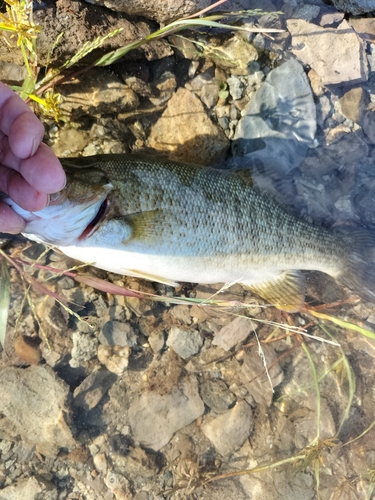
[4, 300]
[342, 323]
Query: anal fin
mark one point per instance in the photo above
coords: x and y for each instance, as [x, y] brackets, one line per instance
[286, 291]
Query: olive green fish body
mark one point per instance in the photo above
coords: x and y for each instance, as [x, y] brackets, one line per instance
[173, 222]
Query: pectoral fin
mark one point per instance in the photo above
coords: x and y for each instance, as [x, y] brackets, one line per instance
[147, 226]
[286, 291]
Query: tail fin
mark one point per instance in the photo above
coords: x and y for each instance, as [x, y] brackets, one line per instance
[358, 272]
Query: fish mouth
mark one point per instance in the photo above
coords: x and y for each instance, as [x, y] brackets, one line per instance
[95, 222]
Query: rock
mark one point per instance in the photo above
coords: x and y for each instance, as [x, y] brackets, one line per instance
[364, 27]
[279, 124]
[89, 393]
[235, 55]
[182, 313]
[84, 348]
[165, 87]
[236, 87]
[29, 489]
[96, 93]
[306, 12]
[254, 377]
[368, 123]
[185, 343]
[234, 332]
[186, 133]
[156, 341]
[160, 10]
[353, 103]
[69, 142]
[331, 18]
[27, 348]
[355, 7]
[336, 54]
[315, 82]
[114, 358]
[117, 333]
[229, 431]
[216, 395]
[119, 485]
[33, 400]
[12, 74]
[154, 418]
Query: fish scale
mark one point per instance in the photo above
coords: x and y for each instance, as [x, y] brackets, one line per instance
[172, 222]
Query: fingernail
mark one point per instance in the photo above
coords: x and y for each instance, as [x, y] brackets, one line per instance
[35, 147]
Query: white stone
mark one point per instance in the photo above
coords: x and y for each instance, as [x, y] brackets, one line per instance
[336, 54]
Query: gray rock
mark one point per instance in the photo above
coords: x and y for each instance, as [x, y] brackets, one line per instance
[33, 401]
[160, 10]
[234, 332]
[154, 418]
[117, 333]
[254, 376]
[229, 431]
[279, 124]
[89, 393]
[368, 123]
[306, 12]
[182, 313]
[29, 489]
[186, 133]
[336, 54]
[216, 395]
[355, 7]
[11, 73]
[185, 343]
[236, 87]
[84, 348]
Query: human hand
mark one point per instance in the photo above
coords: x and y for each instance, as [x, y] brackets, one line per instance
[29, 169]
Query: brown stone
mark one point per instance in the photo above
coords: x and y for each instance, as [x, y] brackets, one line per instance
[186, 133]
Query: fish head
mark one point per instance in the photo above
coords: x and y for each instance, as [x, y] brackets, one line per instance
[73, 213]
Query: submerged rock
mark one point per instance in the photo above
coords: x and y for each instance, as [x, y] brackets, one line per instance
[279, 124]
[336, 54]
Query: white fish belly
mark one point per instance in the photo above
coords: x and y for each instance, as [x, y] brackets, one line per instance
[195, 269]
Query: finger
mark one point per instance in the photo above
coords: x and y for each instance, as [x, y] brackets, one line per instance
[42, 171]
[10, 222]
[12, 183]
[16, 119]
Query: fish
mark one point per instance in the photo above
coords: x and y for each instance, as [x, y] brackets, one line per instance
[172, 222]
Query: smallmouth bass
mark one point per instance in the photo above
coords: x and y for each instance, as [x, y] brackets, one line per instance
[172, 222]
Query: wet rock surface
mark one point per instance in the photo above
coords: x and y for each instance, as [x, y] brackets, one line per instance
[134, 399]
